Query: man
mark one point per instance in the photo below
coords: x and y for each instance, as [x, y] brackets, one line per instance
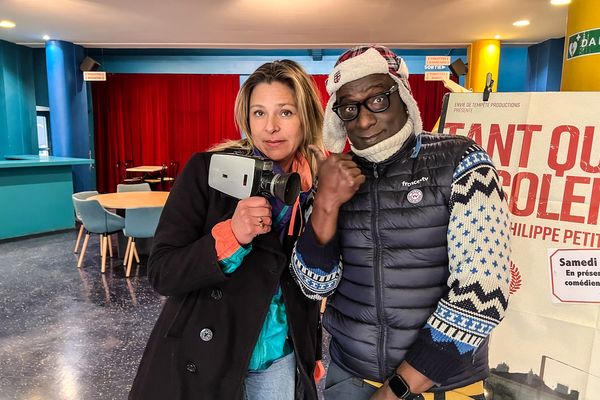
[419, 226]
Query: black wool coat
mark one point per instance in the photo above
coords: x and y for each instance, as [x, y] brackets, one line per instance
[201, 345]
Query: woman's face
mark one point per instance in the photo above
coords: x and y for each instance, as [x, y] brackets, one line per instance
[274, 122]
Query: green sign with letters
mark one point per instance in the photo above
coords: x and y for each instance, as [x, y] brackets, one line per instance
[584, 43]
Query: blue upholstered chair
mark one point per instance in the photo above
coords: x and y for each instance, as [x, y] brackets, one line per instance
[97, 220]
[81, 196]
[139, 223]
[136, 187]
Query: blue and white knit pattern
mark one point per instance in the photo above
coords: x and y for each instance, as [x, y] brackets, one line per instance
[315, 283]
[478, 252]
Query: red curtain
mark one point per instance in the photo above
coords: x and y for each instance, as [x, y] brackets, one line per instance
[429, 96]
[157, 118]
[320, 82]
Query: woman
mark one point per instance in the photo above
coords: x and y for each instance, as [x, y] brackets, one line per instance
[235, 325]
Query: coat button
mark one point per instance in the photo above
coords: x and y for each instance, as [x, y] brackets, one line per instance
[216, 294]
[206, 334]
[191, 367]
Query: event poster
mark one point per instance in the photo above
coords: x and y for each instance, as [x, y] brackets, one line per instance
[546, 147]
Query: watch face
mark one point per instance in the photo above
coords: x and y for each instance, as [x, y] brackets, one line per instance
[399, 387]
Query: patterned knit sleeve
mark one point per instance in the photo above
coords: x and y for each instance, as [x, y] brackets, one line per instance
[478, 253]
[316, 268]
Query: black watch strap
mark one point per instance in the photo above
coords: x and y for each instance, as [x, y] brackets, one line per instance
[399, 387]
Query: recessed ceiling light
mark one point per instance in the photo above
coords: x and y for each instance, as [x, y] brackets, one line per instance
[560, 2]
[497, 37]
[46, 37]
[522, 22]
[7, 24]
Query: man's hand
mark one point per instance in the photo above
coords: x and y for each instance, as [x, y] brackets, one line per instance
[252, 217]
[384, 393]
[417, 382]
[339, 179]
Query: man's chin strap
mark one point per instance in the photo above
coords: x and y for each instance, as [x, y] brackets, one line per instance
[386, 148]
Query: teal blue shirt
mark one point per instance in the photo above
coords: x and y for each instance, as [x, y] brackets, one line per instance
[272, 342]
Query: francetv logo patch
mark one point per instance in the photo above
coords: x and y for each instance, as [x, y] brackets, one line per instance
[415, 195]
[415, 182]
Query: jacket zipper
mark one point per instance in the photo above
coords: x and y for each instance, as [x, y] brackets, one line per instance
[378, 273]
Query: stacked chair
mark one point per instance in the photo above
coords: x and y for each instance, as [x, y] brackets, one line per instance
[123, 175]
[171, 174]
[158, 180]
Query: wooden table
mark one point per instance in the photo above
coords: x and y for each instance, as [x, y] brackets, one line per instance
[125, 200]
[147, 169]
[148, 172]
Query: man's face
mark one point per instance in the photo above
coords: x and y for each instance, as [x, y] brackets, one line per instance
[369, 128]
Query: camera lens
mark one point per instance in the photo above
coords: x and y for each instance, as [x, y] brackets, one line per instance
[286, 187]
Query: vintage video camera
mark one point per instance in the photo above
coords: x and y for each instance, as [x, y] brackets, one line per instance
[245, 176]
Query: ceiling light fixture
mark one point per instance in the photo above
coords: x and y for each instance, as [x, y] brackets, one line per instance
[7, 24]
[46, 37]
[560, 2]
[497, 37]
[521, 23]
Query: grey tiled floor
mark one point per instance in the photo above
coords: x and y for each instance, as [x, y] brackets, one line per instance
[68, 333]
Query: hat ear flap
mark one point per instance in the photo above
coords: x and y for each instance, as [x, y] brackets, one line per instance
[410, 103]
[403, 69]
[334, 131]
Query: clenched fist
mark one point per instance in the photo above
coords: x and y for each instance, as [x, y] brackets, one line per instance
[339, 178]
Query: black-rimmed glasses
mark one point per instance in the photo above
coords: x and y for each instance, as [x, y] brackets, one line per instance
[376, 104]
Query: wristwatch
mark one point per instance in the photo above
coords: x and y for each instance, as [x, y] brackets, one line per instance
[400, 388]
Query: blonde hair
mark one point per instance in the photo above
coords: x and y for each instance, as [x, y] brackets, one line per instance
[308, 102]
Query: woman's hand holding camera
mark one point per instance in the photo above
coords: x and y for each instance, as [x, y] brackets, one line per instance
[252, 217]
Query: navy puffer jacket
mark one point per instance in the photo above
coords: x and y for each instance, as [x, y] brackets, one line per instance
[395, 257]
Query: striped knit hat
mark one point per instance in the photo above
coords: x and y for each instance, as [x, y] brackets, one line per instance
[355, 64]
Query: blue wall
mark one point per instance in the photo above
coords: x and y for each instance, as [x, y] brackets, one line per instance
[513, 69]
[545, 65]
[18, 131]
[242, 62]
[23, 77]
[512, 77]
[40, 77]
